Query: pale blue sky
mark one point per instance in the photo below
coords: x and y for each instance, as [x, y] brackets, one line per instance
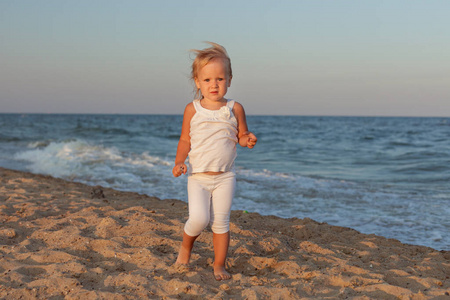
[289, 57]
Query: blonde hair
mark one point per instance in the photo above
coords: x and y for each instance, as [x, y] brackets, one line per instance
[203, 57]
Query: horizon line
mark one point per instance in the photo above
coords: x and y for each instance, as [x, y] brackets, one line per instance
[251, 115]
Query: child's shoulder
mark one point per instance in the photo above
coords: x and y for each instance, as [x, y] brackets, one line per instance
[190, 106]
[189, 110]
[237, 106]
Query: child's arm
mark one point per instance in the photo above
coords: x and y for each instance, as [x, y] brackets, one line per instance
[245, 137]
[184, 144]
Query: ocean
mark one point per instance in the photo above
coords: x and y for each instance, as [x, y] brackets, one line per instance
[388, 176]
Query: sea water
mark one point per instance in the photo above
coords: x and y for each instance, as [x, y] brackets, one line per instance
[383, 175]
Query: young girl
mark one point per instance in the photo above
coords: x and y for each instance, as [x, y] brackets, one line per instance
[212, 126]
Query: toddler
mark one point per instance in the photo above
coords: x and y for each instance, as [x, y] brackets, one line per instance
[212, 126]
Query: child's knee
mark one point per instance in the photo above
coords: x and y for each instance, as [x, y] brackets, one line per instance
[194, 227]
[220, 227]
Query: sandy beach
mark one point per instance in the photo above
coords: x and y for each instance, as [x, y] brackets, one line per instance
[66, 240]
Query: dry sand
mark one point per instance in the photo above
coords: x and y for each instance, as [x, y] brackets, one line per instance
[65, 240]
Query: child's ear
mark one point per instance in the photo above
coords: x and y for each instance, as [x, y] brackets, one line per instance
[229, 81]
[197, 83]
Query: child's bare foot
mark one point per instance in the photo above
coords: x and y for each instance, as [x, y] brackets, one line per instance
[183, 256]
[185, 250]
[221, 274]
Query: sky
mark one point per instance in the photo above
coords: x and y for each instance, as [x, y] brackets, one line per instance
[317, 57]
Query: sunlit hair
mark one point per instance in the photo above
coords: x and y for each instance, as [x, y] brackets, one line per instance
[203, 57]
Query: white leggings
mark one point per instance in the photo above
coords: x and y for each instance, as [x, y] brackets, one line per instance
[210, 198]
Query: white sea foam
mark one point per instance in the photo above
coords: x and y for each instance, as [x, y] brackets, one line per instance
[94, 164]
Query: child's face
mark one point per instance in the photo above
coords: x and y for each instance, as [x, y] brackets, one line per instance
[213, 80]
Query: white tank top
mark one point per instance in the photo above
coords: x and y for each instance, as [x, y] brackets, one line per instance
[213, 139]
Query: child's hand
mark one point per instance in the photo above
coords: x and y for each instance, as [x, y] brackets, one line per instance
[179, 169]
[251, 142]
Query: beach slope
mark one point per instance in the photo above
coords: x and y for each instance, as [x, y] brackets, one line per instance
[61, 239]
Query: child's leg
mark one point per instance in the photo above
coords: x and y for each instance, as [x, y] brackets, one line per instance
[222, 199]
[186, 248]
[221, 243]
[199, 199]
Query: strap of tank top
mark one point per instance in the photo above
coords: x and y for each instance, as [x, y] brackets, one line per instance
[230, 103]
[197, 105]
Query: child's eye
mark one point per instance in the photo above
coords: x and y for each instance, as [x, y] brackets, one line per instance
[220, 79]
[206, 80]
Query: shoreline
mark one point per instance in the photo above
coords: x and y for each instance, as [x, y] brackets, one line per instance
[66, 239]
